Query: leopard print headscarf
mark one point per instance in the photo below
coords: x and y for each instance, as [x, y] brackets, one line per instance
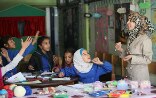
[142, 26]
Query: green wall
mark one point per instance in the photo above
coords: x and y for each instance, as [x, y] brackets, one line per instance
[4, 4]
[22, 10]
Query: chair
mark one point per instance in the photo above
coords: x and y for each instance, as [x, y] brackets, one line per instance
[114, 59]
[102, 57]
[123, 66]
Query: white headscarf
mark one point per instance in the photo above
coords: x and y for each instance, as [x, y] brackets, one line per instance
[79, 63]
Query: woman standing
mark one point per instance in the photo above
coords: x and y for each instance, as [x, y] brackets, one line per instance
[138, 53]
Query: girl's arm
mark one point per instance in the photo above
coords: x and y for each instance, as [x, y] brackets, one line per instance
[12, 64]
[106, 67]
[68, 71]
[18, 57]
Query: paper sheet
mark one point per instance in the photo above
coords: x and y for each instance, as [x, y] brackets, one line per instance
[16, 78]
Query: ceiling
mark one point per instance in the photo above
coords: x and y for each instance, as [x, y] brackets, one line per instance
[4, 4]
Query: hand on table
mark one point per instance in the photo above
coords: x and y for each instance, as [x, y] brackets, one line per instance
[61, 74]
[30, 67]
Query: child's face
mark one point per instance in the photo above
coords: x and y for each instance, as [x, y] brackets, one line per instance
[68, 58]
[11, 44]
[45, 45]
[85, 56]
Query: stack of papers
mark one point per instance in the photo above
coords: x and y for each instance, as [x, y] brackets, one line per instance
[16, 78]
[32, 82]
[65, 78]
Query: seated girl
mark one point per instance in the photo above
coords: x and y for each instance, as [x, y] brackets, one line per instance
[67, 60]
[15, 60]
[42, 59]
[86, 71]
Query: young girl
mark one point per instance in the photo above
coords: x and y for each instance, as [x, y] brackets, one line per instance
[15, 60]
[86, 71]
[9, 44]
[67, 61]
[42, 58]
[68, 58]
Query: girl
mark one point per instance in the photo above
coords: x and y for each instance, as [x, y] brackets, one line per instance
[9, 44]
[68, 58]
[15, 60]
[67, 61]
[42, 58]
[86, 71]
[139, 47]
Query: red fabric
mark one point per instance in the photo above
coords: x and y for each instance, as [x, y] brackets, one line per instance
[1, 79]
[9, 25]
[10, 93]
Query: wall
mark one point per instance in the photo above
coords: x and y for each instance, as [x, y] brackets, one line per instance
[18, 10]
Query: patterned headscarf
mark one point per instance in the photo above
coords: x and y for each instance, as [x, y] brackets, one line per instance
[79, 63]
[142, 26]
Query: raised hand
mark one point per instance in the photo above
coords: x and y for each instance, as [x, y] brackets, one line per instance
[36, 37]
[118, 46]
[97, 61]
[5, 54]
[25, 44]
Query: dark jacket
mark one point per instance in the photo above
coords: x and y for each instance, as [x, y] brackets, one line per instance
[36, 60]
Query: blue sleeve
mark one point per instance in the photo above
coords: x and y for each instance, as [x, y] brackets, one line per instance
[29, 49]
[105, 68]
[69, 71]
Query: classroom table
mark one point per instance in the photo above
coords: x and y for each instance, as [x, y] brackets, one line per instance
[47, 82]
[74, 93]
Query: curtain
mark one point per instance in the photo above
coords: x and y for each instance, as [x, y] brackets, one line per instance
[9, 26]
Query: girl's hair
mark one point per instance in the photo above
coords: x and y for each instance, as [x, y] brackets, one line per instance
[68, 50]
[40, 40]
[4, 40]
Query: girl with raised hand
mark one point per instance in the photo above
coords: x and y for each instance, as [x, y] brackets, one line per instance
[15, 60]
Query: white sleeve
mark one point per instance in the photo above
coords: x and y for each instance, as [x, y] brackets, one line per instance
[12, 64]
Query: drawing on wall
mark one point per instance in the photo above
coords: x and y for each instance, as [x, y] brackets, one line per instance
[120, 23]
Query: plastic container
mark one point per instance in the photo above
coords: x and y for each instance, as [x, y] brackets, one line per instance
[3, 93]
